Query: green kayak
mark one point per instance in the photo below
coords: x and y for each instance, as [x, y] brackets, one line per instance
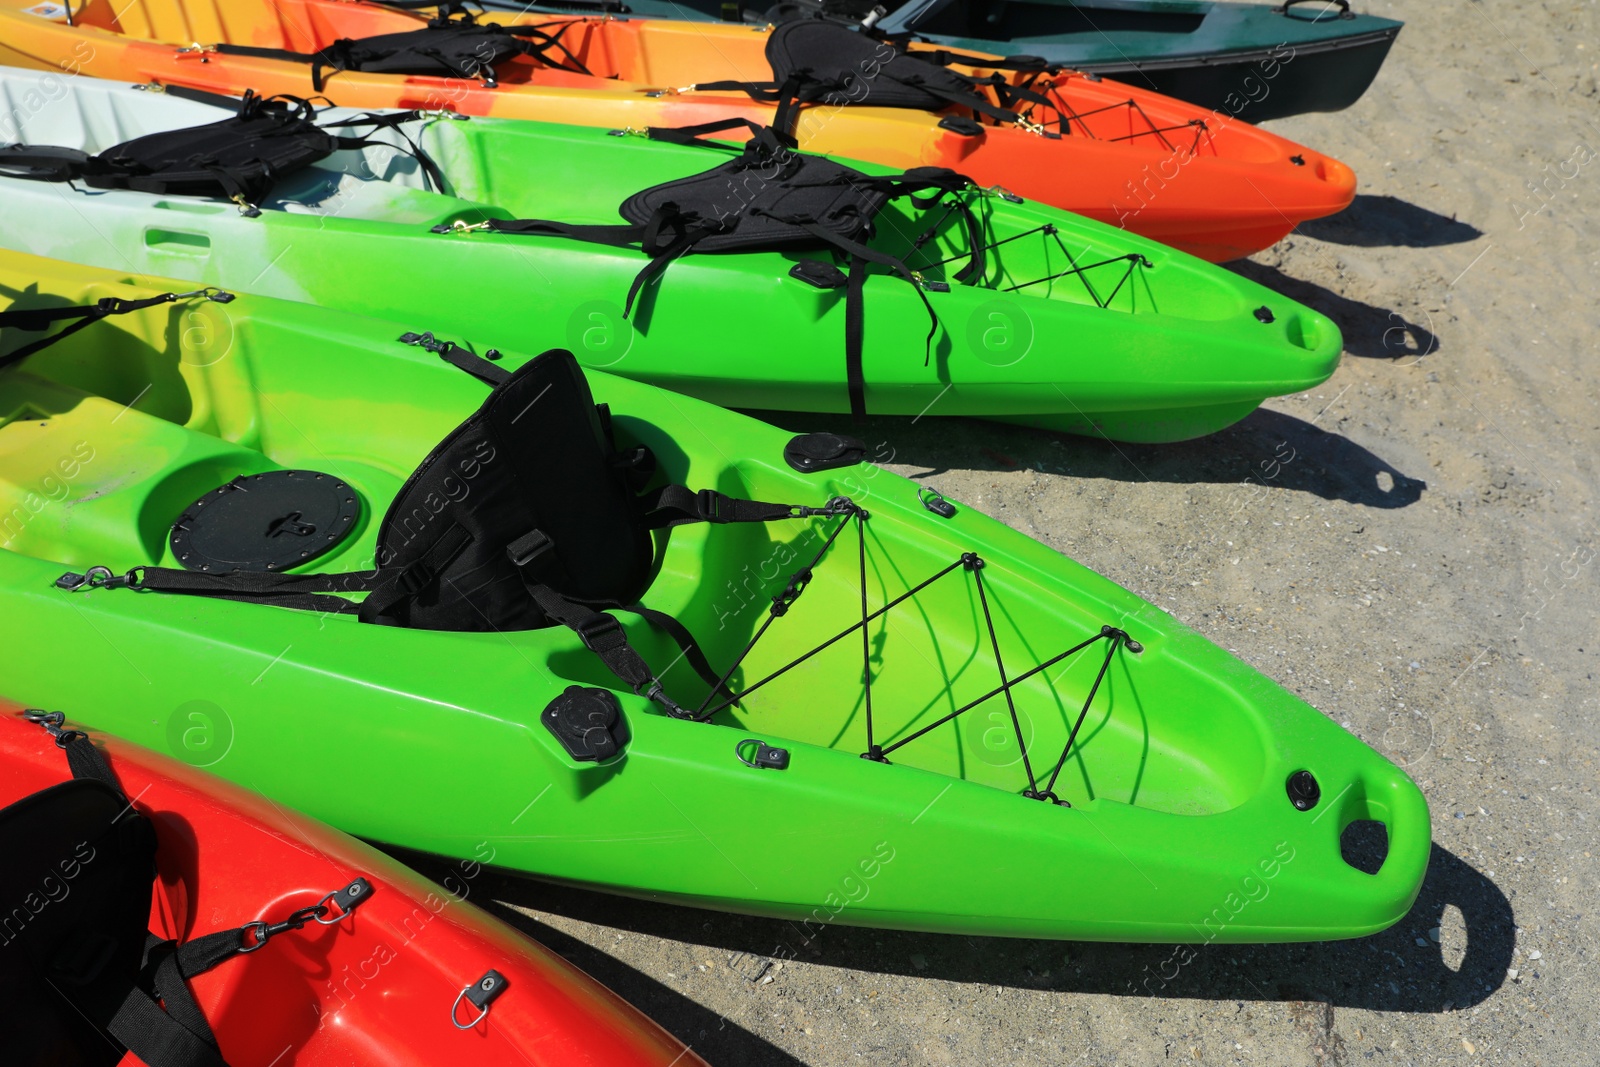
[1048, 754]
[970, 303]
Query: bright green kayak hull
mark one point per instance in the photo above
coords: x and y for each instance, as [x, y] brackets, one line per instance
[1182, 348]
[1180, 826]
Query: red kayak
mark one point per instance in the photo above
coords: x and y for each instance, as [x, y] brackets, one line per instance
[268, 939]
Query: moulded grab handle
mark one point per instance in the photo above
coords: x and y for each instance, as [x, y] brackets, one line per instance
[1344, 7]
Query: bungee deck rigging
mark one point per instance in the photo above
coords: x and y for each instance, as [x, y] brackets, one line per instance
[822, 61]
[969, 562]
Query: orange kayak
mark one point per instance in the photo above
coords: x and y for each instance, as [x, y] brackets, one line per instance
[1198, 180]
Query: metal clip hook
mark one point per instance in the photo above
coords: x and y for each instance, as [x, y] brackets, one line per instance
[100, 578]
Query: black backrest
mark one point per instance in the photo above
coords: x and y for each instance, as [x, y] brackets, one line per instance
[868, 70]
[75, 892]
[535, 456]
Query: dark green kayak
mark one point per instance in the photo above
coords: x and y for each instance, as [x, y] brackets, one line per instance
[1251, 61]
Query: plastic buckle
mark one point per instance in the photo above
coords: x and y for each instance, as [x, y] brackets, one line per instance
[415, 578]
[595, 627]
[528, 547]
[709, 503]
[480, 995]
[791, 592]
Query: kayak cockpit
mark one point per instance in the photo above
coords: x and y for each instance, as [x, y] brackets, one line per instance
[993, 671]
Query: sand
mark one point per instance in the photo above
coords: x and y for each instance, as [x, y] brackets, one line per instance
[1409, 547]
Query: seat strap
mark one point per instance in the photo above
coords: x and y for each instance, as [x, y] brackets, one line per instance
[433, 177]
[33, 320]
[667, 235]
[693, 654]
[305, 592]
[678, 505]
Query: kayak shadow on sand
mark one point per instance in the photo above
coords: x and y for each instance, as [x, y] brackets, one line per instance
[1402, 969]
[1369, 331]
[1268, 451]
[1387, 222]
[709, 1034]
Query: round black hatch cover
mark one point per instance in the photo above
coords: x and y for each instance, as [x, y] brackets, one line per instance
[265, 522]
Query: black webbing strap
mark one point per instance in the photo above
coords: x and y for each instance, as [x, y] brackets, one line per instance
[601, 634]
[157, 1037]
[693, 654]
[943, 57]
[392, 120]
[198, 96]
[667, 235]
[33, 320]
[695, 136]
[459, 358]
[855, 318]
[306, 592]
[677, 505]
[398, 585]
[855, 326]
[84, 760]
[386, 586]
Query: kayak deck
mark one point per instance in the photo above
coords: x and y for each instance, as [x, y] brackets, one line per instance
[1175, 754]
[1113, 152]
[1086, 328]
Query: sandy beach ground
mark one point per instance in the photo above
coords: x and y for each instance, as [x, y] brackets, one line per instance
[1409, 547]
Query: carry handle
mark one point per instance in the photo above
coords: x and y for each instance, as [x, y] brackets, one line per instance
[1344, 7]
